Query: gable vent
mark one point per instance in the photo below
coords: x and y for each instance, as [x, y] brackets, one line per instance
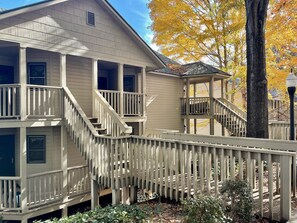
[91, 18]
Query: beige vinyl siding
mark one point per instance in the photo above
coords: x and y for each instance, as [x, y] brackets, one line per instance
[53, 149]
[79, 81]
[63, 28]
[164, 111]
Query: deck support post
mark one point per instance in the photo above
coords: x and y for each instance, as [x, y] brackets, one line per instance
[94, 192]
[188, 120]
[143, 87]
[23, 81]
[64, 165]
[133, 194]
[94, 83]
[195, 120]
[285, 190]
[63, 70]
[125, 196]
[23, 168]
[121, 88]
[211, 95]
[116, 196]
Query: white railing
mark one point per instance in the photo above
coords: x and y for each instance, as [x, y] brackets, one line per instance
[44, 101]
[10, 193]
[133, 104]
[231, 120]
[9, 101]
[44, 188]
[195, 106]
[177, 169]
[108, 118]
[78, 179]
[280, 130]
[233, 107]
[113, 98]
[157, 133]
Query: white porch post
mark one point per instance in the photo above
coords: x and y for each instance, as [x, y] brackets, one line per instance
[188, 105]
[143, 87]
[94, 192]
[94, 82]
[195, 120]
[23, 81]
[121, 87]
[63, 81]
[23, 168]
[211, 94]
[64, 166]
[222, 88]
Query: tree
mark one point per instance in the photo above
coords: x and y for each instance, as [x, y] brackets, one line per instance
[195, 29]
[257, 97]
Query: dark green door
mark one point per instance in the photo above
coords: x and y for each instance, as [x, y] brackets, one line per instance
[7, 167]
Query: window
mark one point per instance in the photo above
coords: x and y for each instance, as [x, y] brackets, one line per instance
[37, 73]
[91, 18]
[36, 149]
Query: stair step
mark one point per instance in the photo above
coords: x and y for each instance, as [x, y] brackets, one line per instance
[101, 131]
[93, 120]
[97, 125]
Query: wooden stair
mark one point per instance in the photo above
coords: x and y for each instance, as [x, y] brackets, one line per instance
[98, 126]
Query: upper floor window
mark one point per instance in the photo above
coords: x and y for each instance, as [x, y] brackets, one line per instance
[91, 18]
[36, 149]
[37, 73]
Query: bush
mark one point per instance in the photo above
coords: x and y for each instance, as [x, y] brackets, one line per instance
[237, 194]
[203, 209]
[116, 214]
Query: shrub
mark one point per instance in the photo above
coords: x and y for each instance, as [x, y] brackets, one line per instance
[237, 194]
[203, 209]
[116, 214]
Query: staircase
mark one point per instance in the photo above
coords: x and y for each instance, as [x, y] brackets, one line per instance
[230, 117]
[97, 138]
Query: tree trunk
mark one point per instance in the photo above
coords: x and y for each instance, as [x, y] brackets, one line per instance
[257, 97]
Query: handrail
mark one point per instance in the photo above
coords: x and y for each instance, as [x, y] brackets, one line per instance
[114, 116]
[10, 85]
[44, 173]
[43, 86]
[233, 107]
[80, 111]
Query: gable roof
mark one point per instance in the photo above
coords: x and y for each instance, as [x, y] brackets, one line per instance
[195, 69]
[124, 24]
[200, 68]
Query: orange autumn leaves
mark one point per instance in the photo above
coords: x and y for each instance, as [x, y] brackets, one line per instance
[215, 31]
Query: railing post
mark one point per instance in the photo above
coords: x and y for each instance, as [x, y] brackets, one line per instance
[121, 88]
[285, 190]
[23, 168]
[94, 192]
[188, 105]
[23, 81]
[94, 83]
[211, 93]
[64, 157]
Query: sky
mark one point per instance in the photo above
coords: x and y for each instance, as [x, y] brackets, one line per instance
[135, 12]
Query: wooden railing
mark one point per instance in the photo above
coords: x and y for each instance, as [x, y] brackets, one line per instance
[9, 101]
[280, 130]
[44, 188]
[78, 179]
[113, 98]
[195, 106]
[157, 133]
[133, 104]
[229, 119]
[44, 101]
[108, 118]
[233, 107]
[10, 193]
